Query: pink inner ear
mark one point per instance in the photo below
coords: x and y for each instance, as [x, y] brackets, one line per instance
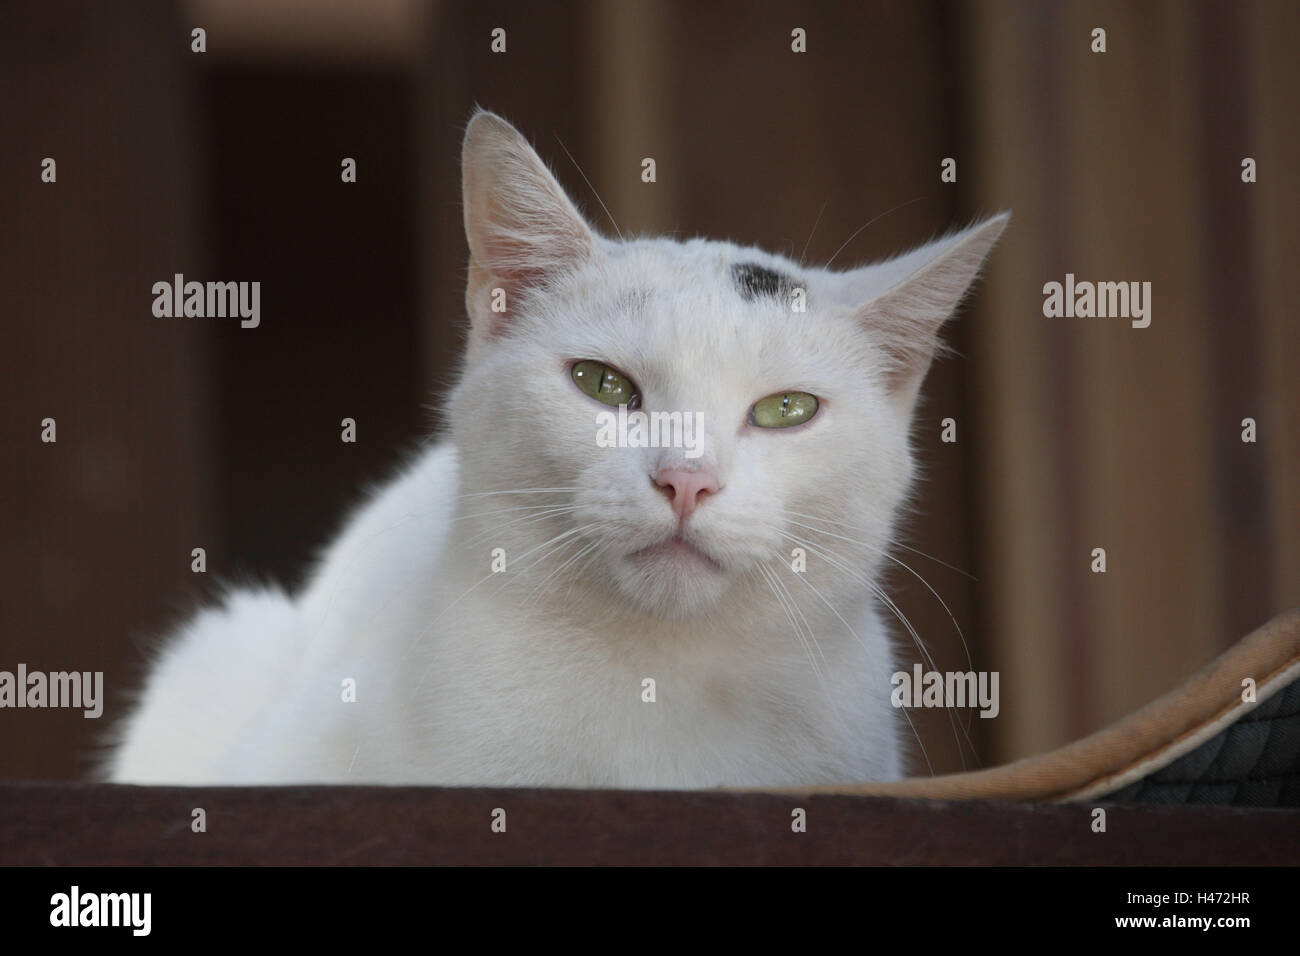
[517, 262]
[908, 343]
[908, 363]
[908, 357]
[522, 228]
[929, 284]
[519, 248]
[514, 263]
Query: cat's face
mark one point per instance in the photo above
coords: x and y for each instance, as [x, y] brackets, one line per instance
[774, 401]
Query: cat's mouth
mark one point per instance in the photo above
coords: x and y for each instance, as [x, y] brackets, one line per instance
[677, 549]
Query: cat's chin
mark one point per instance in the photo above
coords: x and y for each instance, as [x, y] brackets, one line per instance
[672, 578]
[676, 552]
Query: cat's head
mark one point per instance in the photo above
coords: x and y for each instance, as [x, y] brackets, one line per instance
[780, 395]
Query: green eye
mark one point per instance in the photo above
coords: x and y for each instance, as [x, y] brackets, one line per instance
[605, 384]
[783, 410]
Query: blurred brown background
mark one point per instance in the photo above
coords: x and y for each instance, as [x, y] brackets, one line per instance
[1072, 433]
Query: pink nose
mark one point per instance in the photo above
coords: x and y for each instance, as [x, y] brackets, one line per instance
[685, 488]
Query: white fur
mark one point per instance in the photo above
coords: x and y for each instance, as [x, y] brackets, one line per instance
[535, 676]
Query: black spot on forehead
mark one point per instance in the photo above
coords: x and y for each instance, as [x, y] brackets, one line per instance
[754, 280]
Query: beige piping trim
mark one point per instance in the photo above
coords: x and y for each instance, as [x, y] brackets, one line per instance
[1144, 741]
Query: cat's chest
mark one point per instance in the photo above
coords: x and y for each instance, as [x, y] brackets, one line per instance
[549, 707]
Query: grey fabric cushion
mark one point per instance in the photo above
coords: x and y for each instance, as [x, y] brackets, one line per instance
[1254, 762]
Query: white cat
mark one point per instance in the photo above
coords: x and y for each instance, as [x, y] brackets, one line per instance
[525, 606]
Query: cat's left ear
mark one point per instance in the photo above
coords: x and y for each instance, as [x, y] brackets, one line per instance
[910, 297]
[522, 228]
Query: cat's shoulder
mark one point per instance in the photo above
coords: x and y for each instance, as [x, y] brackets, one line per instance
[402, 524]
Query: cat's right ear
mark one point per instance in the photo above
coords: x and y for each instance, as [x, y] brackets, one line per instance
[911, 296]
[522, 228]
